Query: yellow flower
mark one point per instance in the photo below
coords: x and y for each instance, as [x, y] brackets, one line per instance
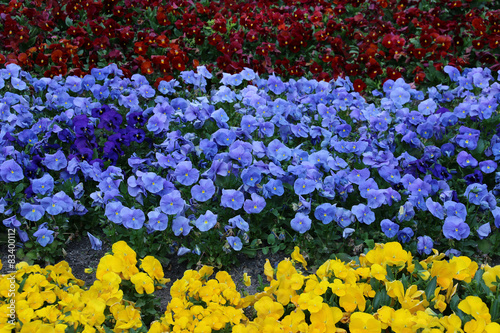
[364, 323]
[474, 306]
[378, 272]
[128, 318]
[297, 257]
[143, 283]
[444, 272]
[402, 321]
[384, 315]
[353, 299]
[122, 250]
[268, 270]
[267, 308]
[247, 280]
[108, 263]
[315, 304]
[152, 266]
[451, 323]
[490, 275]
[328, 316]
[492, 328]
[338, 287]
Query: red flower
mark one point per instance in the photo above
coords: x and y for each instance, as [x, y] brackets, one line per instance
[214, 39]
[359, 85]
[140, 48]
[425, 41]
[315, 68]
[262, 51]
[478, 44]
[252, 36]
[178, 64]
[162, 41]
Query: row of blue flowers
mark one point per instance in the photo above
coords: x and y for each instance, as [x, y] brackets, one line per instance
[401, 162]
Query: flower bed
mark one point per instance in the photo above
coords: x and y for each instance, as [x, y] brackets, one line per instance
[369, 41]
[384, 289]
[291, 163]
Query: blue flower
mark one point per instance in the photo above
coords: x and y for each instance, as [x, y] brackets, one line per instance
[239, 222]
[457, 209]
[56, 161]
[389, 228]
[273, 187]
[343, 217]
[57, 204]
[172, 203]
[100, 73]
[484, 230]
[400, 96]
[255, 205]
[405, 235]
[157, 220]
[488, 166]
[43, 185]
[32, 212]
[204, 191]
[465, 159]
[363, 213]
[44, 236]
[435, 208]
[325, 213]
[301, 223]
[358, 176]
[476, 192]
[95, 243]
[206, 221]
[232, 199]
[275, 84]
[180, 226]
[113, 210]
[424, 244]
[224, 137]
[453, 73]
[152, 182]
[235, 242]
[454, 227]
[304, 186]
[10, 171]
[132, 218]
[251, 176]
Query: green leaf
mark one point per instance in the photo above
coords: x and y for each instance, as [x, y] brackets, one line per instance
[271, 239]
[495, 310]
[431, 288]
[68, 21]
[370, 243]
[265, 250]
[19, 188]
[390, 274]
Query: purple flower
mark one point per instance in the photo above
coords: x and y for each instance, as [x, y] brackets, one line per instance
[389, 228]
[206, 221]
[399, 96]
[455, 209]
[255, 205]
[376, 198]
[182, 251]
[363, 213]
[424, 244]
[390, 174]
[343, 217]
[304, 186]
[32, 212]
[56, 161]
[454, 227]
[224, 137]
[44, 236]
[157, 220]
[180, 225]
[172, 203]
[367, 186]
[452, 72]
[132, 218]
[232, 199]
[405, 235]
[10, 171]
[95, 243]
[301, 223]
[235, 242]
[275, 84]
[204, 191]
[465, 159]
[448, 149]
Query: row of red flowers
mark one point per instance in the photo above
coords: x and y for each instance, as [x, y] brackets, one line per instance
[365, 40]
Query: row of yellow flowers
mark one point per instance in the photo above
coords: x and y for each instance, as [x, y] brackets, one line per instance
[385, 289]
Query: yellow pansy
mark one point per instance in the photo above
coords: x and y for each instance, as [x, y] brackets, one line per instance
[143, 283]
[266, 307]
[474, 306]
[108, 263]
[268, 270]
[247, 280]
[152, 266]
[297, 257]
[361, 322]
[378, 272]
[490, 275]
[125, 252]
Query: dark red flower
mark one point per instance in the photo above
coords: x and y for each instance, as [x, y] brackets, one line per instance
[359, 85]
[315, 68]
[178, 64]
